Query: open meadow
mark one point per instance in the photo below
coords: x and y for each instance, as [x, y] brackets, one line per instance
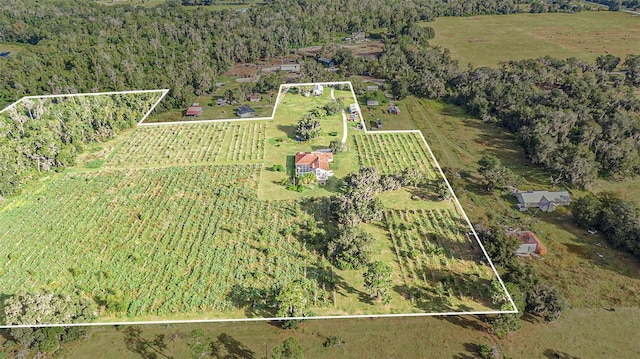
[486, 40]
[582, 333]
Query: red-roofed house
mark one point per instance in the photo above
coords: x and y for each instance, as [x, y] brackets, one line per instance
[530, 244]
[194, 110]
[316, 162]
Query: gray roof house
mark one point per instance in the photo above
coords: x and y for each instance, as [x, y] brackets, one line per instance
[245, 111]
[544, 200]
[372, 88]
[372, 103]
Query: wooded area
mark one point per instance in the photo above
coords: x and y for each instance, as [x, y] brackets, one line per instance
[43, 134]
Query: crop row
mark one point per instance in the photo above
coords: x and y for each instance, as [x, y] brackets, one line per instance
[172, 240]
[436, 257]
[201, 143]
[391, 153]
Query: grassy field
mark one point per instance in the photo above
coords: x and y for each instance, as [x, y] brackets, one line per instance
[581, 333]
[486, 40]
[13, 48]
[590, 282]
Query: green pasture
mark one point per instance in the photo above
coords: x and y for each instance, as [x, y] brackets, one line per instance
[487, 40]
[581, 333]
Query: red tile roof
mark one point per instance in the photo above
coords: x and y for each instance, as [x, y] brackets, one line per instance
[194, 111]
[528, 237]
[314, 159]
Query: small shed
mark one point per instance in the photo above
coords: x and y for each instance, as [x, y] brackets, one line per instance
[5, 54]
[372, 103]
[290, 67]
[372, 88]
[318, 89]
[255, 97]
[530, 244]
[221, 101]
[379, 123]
[394, 110]
[194, 110]
[245, 111]
[326, 62]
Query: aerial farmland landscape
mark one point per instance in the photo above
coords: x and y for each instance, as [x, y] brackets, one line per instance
[312, 179]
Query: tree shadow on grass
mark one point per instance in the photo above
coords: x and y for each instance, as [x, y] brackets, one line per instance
[290, 130]
[233, 347]
[465, 321]
[147, 349]
[555, 354]
[344, 288]
[472, 351]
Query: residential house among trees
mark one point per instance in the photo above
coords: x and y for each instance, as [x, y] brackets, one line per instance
[353, 111]
[316, 162]
[358, 36]
[194, 110]
[544, 200]
[530, 244]
[255, 97]
[245, 111]
[318, 90]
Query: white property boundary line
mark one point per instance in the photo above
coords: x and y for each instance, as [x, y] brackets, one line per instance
[163, 91]
[222, 320]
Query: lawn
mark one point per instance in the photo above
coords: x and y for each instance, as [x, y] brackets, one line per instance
[486, 40]
[581, 333]
[282, 146]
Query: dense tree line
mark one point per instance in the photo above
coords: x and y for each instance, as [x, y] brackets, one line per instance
[571, 116]
[39, 342]
[39, 135]
[617, 5]
[84, 46]
[617, 218]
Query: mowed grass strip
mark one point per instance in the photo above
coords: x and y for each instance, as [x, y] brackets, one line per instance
[486, 40]
[179, 240]
[202, 143]
[391, 153]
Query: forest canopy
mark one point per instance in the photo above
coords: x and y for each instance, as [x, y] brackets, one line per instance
[42, 134]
